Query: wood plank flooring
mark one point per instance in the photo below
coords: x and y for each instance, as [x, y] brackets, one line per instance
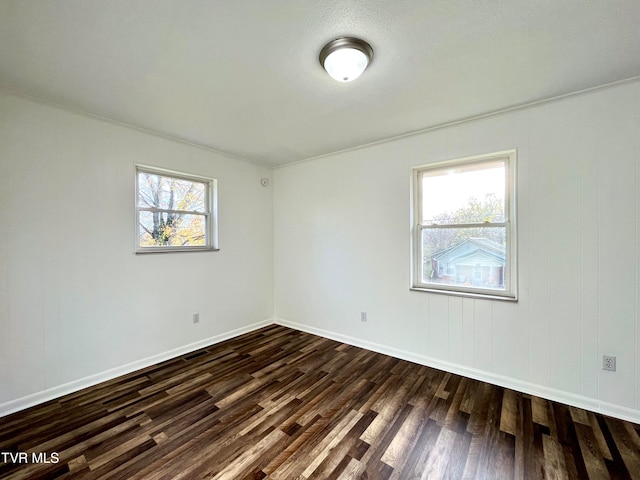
[282, 404]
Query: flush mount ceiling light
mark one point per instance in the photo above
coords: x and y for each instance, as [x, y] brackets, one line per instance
[346, 58]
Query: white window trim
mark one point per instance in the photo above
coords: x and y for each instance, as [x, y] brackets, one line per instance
[211, 222]
[511, 269]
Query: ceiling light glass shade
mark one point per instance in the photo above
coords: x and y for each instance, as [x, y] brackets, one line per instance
[346, 58]
[346, 64]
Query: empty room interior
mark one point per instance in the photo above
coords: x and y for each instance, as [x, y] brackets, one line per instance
[222, 256]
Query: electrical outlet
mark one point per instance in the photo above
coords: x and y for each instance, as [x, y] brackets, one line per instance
[196, 318]
[609, 363]
[363, 316]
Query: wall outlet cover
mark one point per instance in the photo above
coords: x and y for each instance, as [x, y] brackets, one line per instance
[609, 363]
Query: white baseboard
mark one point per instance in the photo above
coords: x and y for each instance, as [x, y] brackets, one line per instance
[58, 391]
[542, 391]
[579, 401]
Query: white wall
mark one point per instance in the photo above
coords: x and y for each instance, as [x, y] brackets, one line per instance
[76, 304]
[342, 230]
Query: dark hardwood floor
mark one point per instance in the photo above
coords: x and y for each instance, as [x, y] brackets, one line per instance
[282, 404]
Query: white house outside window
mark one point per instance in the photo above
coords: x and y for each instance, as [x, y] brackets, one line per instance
[464, 238]
[174, 211]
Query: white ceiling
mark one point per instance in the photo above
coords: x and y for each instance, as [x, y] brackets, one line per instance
[243, 76]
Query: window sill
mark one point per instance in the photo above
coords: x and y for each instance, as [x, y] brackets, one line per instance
[456, 293]
[175, 250]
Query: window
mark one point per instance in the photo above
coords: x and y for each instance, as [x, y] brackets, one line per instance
[464, 238]
[174, 211]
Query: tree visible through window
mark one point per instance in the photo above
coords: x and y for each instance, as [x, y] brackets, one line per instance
[464, 216]
[174, 211]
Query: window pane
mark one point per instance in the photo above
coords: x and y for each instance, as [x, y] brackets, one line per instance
[170, 193]
[162, 229]
[471, 257]
[464, 194]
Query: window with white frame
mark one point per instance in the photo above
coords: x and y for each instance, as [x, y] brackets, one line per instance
[464, 221]
[174, 211]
